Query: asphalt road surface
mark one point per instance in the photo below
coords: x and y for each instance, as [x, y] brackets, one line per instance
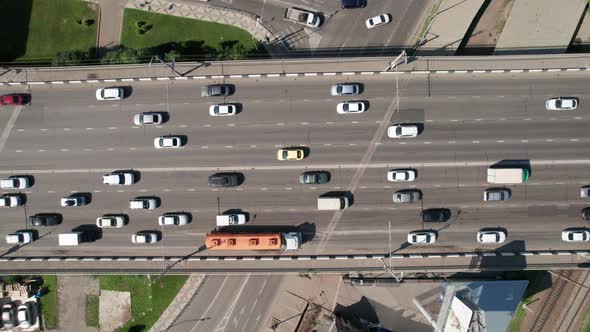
[67, 140]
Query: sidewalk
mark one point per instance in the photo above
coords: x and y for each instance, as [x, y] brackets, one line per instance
[71, 301]
[110, 24]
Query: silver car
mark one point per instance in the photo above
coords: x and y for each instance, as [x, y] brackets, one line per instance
[496, 194]
[148, 118]
[407, 196]
[345, 89]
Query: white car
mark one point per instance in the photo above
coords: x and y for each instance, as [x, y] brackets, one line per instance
[19, 237]
[144, 237]
[487, 237]
[10, 200]
[421, 237]
[23, 316]
[401, 175]
[148, 118]
[110, 94]
[222, 110]
[111, 221]
[585, 192]
[376, 21]
[173, 218]
[348, 107]
[73, 200]
[561, 104]
[15, 182]
[402, 131]
[146, 203]
[167, 142]
[119, 179]
[575, 235]
[496, 194]
[345, 89]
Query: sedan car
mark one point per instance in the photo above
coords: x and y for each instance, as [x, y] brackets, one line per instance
[173, 218]
[575, 235]
[379, 20]
[216, 90]
[15, 182]
[407, 196]
[401, 175]
[10, 200]
[73, 200]
[345, 89]
[314, 177]
[585, 192]
[44, 219]
[14, 99]
[349, 107]
[290, 154]
[222, 110]
[8, 315]
[148, 118]
[143, 203]
[491, 236]
[224, 180]
[111, 221]
[23, 316]
[496, 194]
[402, 131]
[436, 215]
[110, 94]
[168, 142]
[144, 237]
[421, 237]
[562, 104]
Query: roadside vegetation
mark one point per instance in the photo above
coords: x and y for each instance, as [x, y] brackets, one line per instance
[537, 283]
[92, 309]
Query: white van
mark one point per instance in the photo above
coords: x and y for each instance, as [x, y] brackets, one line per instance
[231, 219]
[70, 239]
[332, 203]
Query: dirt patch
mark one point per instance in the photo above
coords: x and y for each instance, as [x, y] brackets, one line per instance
[485, 35]
[114, 309]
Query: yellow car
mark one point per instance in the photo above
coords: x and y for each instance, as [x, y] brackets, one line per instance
[290, 154]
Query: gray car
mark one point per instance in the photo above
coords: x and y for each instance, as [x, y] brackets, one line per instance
[216, 90]
[496, 194]
[314, 177]
[345, 89]
[407, 196]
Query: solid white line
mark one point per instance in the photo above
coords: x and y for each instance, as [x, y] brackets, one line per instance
[145, 79]
[310, 74]
[273, 75]
[8, 127]
[236, 76]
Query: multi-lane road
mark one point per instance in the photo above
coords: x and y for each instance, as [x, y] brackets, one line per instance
[67, 140]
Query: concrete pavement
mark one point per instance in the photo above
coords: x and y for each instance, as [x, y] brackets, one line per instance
[71, 301]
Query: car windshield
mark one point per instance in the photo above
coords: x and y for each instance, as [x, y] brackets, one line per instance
[69, 202]
[398, 130]
[285, 154]
[346, 107]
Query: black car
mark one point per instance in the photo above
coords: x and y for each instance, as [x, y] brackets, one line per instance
[436, 215]
[586, 213]
[44, 219]
[224, 180]
[347, 4]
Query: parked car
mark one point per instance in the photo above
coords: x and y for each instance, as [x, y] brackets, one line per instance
[44, 219]
[144, 237]
[345, 89]
[110, 93]
[11, 200]
[119, 178]
[407, 196]
[13, 99]
[401, 175]
[8, 315]
[167, 142]
[224, 180]
[19, 237]
[111, 221]
[23, 316]
[73, 200]
[436, 215]
[290, 154]
[562, 104]
[222, 110]
[402, 131]
[349, 107]
[421, 237]
[575, 235]
[173, 218]
[143, 203]
[491, 236]
[585, 192]
[15, 182]
[216, 90]
[379, 20]
[148, 118]
[314, 177]
[496, 194]
[348, 4]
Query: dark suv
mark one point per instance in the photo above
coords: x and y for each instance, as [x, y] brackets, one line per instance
[44, 219]
[347, 4]
[436, 215]
[224, 180]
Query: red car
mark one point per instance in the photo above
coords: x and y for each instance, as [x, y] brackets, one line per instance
[13, 99]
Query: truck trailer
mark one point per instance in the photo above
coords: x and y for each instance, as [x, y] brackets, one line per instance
[302, 16]
[507, 175]
[253, 241]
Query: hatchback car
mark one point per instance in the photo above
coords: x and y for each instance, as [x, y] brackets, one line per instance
[15, 182]
[144, 237]
[173, 218]
[111, 221]
[23, 316]
[110, 94]
[349, 107]
[379, 20]
[575, 235]
[148, 118]
[348, 4]
[345, 89]
[73, 200]
[401, 175]
[314, 177]
[496, 194]
[407, 196]
[224, 180]
[436, 215]
[168, 142]
[222, 110]
[491, 236]
[14, 99]
[402, 131]
[216, 90]
[8, 315]
[290, 154]
[143, 203]
[562, 104]
[585, 192]
[119, 178]
[10, 200]
[421, 237]
[44, 219]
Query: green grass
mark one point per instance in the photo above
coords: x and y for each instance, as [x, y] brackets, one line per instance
[148, 300]
[537, 282]
[92, 310]
[38, 29]
[429, 19]
[191, 37]
[48, 301]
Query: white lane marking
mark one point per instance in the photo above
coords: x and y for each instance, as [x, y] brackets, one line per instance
[524, 141]
[65, 150]
[549, 140]
[451, 142]
[304, 123]
[8, 127]
[475, 142]
[66, 129]
[499, 141]
[280, 124]
[20, 130]
[191, 189]
[40, 150]
[19, 151]
[204, 147]
[89, 128]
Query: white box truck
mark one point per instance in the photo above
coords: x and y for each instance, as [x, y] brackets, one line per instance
[507, 175]
[332, 203]
[302, 16]
[70, 239]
